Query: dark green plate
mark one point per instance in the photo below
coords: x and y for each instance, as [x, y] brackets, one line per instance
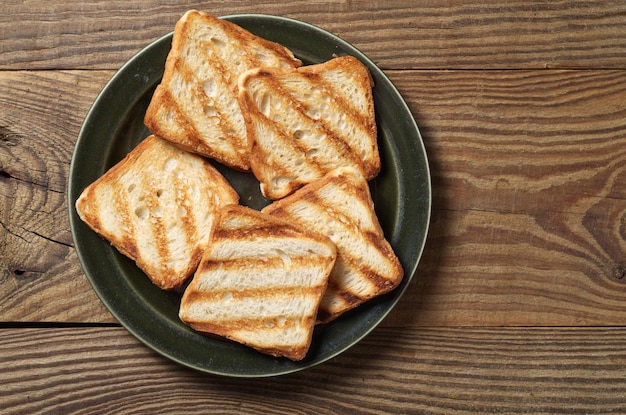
[114, 125]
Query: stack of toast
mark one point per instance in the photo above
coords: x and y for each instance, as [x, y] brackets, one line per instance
[307, 133]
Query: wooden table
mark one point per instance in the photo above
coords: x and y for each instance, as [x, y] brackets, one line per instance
[519, 302]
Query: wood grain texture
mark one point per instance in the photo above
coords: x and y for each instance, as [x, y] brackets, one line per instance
[395, 34]
[529, 212]
[499, 155]
[522, 107]
[40, 278]
[426, 371]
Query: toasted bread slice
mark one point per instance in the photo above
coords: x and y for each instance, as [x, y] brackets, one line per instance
[340, 206]
[304, 122]
[157, 206]
[260, 283]
[195, 105]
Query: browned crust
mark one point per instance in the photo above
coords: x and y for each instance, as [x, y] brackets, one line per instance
[266, 227]
[294, 353]
[250, 262]
[193, 295]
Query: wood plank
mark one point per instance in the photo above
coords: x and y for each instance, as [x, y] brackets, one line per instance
[494, 256]
[395, 34]
[502, 146]
[41, 279]
[429, 370]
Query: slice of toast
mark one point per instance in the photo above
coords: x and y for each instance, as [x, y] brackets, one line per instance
[260, 283]
[340, 206]
[157, 206]
[195, 105]
[304, 122]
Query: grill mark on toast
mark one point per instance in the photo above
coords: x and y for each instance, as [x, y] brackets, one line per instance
[169, 103]
[367, 273]
[259, 231]
[355, 262]
[323, 315]
[188, 222]
[350, 298]
[186, 120]
[254, 294]
[372, 238]
[270, 83]
[270, 168]
[157, 225]
[326, 207]
[342, 142]
[247, 262]
[261, 323]
[219, 71]
[381, 283]
[125, 223]
[321, 125]
[363, 121]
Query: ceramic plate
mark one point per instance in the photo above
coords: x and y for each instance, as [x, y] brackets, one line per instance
[114, 125]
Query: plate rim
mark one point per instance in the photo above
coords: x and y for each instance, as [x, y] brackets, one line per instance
[72, 194]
